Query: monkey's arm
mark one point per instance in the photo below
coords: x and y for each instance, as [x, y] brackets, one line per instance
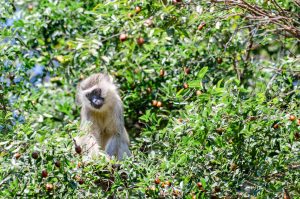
[118, 144]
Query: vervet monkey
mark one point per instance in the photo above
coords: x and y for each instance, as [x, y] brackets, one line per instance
[102, 117]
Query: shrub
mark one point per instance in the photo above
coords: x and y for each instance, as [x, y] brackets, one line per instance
[208, 89]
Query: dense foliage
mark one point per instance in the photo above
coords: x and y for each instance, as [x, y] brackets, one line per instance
[210, 90]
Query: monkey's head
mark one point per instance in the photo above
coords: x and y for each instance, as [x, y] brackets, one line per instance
[97, 92]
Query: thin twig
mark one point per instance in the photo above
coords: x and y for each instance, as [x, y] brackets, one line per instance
[250, 43]
[272, 79]
[278, 7]
[6, 178]
[234, 33]
[297, 2]
[236, 69]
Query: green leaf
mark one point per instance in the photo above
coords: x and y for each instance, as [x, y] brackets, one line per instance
[202, 72]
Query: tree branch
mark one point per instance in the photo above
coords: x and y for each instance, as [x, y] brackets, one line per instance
[279, 17]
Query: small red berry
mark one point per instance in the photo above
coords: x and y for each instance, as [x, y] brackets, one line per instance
[137, 9]
[149, 90]
[81, 181]
[35, 155]
[219, 60]
[79, 164]
[297, 136]
[201, 26]
[44, 174]
[17, 155]
[220, 130]
[185, 85]
[123, 37]
[159, 104]
[199, 185]
[187, 70]
[157, 181]
[30, 7]
[168, 183]
[57, 163]
[162, 72]
[217, 189]
[78, 149]
[140, 41]
[233, 167]
[276, 126]
[292, 117]
[49, 187]
[154, 102]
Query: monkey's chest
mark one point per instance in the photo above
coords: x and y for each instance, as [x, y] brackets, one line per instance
[102, 132]
[103, 128]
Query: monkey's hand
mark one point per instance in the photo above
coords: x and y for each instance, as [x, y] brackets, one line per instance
[90, 147]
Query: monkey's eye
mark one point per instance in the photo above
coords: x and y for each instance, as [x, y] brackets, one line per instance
[97, 92]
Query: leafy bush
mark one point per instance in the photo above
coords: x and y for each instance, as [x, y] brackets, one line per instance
[211, 98]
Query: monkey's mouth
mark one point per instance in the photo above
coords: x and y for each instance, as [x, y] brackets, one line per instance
[95, 98]
[97, 102]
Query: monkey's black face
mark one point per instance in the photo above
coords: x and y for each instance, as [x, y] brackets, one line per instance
[95, 98]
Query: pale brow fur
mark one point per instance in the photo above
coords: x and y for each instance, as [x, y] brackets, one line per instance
[104, 126]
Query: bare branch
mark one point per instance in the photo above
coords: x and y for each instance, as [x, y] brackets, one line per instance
[238, 73]
[279, 17]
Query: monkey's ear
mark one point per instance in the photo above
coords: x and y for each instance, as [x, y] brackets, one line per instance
[109, 78]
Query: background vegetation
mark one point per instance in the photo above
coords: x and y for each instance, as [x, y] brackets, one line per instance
[210, 91]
